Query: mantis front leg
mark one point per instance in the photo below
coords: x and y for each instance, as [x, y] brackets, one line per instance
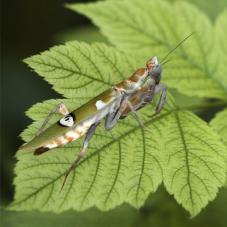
[112, 119]
[162, 88]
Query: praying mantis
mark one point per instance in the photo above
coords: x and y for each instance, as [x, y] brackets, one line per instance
[126, 97]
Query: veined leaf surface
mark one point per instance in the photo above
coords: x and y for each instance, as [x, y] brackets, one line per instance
[193, 161]
[124, 165]
[219, 123]
[221, 35]
[154, 27]
[74, 68]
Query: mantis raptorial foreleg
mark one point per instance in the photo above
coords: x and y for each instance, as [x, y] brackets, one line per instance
[82, 152]
[144, 97]
[112, 118]
[162, 88]
[61, 108]
[148, 97]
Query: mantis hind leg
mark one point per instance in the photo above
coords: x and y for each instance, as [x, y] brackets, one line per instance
[61, 108]
[82, 152]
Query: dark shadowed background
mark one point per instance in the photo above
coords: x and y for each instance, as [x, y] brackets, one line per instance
[27, 28]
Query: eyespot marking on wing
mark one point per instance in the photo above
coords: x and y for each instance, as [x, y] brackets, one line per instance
[68, 120]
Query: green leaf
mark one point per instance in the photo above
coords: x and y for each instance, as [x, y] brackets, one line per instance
[210, 7]
[154, 27]
[74, 68]
[87, 34]
[124, 165]
[221, 35]
[219, 123]
[194, 161]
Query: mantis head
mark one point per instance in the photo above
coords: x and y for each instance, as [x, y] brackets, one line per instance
[154, 69]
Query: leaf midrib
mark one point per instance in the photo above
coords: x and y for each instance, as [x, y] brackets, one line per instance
[186, 158]
[69, 70]
[116, 175]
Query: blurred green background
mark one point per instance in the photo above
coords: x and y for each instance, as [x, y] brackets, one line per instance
[29, 27]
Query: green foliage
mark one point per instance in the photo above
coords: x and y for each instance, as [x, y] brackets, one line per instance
[155, 27]
[175, 148]
[87, 34]
[211, 7]
[115, 170]
[221, 34]
[190, 170]
[80, 70]
[158, 206]
[219, 123]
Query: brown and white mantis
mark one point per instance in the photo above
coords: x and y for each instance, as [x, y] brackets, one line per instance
[113, 104]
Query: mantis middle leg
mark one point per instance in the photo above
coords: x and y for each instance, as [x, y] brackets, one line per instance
[61, 108]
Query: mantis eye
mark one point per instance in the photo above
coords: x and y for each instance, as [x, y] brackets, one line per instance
[154, 60]
[67, 121]
[152, 63]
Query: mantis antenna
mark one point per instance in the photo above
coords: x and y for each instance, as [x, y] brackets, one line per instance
[171, 51]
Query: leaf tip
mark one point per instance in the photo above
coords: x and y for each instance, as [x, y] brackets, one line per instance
[26, 60]
[68, 5]
[72, 6]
